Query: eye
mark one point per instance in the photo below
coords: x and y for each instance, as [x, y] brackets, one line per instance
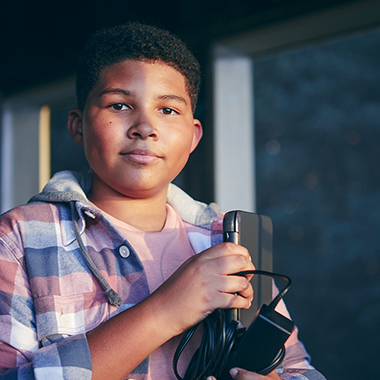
[168, 111]
[119, 107]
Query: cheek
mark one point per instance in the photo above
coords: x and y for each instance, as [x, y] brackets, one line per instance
[182, 149]
[187, 144]
[95, 149]
[99, 138]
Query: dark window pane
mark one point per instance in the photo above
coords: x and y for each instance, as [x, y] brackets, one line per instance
[317, 115]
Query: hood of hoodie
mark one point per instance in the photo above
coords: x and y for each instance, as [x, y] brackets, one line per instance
[70, 186]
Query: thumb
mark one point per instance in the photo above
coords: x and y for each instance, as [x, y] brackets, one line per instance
[242, 374]
[234, 372]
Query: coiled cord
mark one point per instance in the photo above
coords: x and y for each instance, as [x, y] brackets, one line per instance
[220, 335]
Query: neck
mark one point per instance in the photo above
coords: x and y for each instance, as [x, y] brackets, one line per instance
[144, 214]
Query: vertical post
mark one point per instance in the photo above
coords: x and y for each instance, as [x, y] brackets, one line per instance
[44, 160]
[234, 131]
[6, 159]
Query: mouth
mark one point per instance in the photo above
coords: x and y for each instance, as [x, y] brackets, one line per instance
[141, 156]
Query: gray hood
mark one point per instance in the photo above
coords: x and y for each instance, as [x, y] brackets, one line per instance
[69, 186]
[72, 187]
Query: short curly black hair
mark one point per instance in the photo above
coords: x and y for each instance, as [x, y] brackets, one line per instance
[134, 41]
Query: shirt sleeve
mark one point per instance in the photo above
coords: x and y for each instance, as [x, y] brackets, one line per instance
[297, 362]
[22, 356]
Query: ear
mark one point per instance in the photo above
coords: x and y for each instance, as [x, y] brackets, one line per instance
[198, 133]
[75, 125]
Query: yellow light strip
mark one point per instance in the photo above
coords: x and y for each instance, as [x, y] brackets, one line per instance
[44, 147]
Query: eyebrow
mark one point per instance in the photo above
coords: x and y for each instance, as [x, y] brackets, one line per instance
[118, 91]
[172, 97]
[121, 91]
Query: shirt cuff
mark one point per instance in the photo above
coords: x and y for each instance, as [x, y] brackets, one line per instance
[67, 359]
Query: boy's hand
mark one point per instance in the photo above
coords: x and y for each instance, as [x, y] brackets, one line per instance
[205, 283]
[242, 374]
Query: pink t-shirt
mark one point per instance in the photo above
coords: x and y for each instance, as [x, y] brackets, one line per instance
[161, 253]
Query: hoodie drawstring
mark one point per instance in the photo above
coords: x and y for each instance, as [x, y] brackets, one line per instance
[112, 297]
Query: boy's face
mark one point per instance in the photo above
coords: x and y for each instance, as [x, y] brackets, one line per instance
[137, 129]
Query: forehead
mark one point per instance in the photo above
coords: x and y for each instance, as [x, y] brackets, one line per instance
[148, 74]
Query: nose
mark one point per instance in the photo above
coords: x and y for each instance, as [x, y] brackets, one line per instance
[142, 128]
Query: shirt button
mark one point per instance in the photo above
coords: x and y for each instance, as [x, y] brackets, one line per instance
[64, 320]
[124, 251]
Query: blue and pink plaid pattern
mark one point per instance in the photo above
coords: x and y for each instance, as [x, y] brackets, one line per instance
[49, 298]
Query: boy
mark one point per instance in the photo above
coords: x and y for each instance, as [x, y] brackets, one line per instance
[101, 272]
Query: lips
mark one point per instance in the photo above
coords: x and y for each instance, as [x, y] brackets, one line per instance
[141, 156]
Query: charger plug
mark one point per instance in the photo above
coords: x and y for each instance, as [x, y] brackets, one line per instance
[261, 348]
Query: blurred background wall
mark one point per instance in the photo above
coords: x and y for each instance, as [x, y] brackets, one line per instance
[290, 105]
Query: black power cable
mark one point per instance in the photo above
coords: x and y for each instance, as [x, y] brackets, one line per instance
[220, 336]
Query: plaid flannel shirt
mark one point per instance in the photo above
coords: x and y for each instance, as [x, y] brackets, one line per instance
[49, 298]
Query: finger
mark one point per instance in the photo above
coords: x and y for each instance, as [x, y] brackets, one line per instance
[225, 249]
[241, 374]
[235, 301]
[233, 264]
[237, 284]
[247, 292]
